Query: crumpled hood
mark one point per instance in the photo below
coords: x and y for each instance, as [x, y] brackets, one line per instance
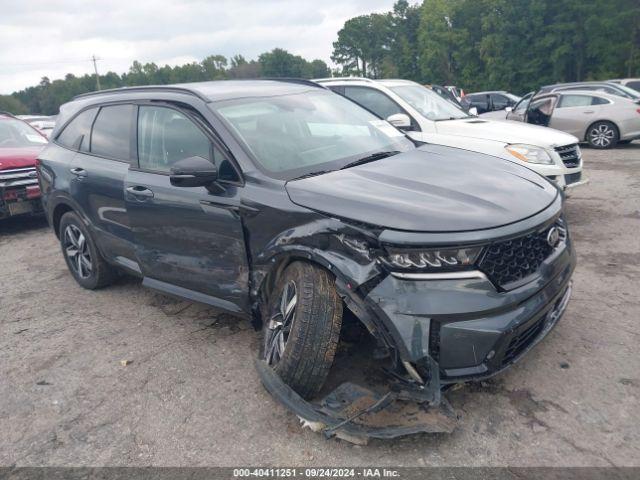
[18, 157]
[505, 131]
[430, 189]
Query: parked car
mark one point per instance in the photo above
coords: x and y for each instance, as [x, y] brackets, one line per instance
[285, 203]
[447, 95]
[20, 145]
[628, 82]
[605, 87]
[425, 117]
[493, 101]
[598, 118]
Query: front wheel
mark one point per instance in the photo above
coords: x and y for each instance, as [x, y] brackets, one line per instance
[603, 135]
[301, 333]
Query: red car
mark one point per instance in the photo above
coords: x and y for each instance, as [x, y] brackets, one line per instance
[20, 145]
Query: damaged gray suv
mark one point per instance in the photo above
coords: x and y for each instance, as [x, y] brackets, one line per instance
[285, 203]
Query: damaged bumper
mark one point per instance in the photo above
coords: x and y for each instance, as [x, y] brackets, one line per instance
[457, 329]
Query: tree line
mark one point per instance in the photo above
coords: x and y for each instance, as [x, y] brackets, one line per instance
[515, 45]
[46, 97]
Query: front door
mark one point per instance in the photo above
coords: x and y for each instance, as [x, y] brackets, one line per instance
[540, 111]
[189, 240]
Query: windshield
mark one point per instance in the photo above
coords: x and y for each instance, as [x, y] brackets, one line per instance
[429, 104]
[630, 91]
[298, 134]
[16, 133]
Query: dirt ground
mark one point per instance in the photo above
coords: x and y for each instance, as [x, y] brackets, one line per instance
[191, 397]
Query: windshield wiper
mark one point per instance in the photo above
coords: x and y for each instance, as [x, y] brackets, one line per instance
[447, 119]
[310, 174]
[370, 158]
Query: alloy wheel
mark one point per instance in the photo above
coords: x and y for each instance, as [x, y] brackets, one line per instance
[280, 323]
[602, 135]
[77, 251]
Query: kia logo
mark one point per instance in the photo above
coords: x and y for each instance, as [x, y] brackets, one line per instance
[553, 237]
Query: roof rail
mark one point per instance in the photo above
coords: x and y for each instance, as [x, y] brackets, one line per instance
[2, 112]
[143, 88]
[301, 81]
[344, 79]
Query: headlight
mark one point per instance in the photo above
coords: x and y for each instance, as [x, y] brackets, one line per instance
[434, 260]
[529, 153]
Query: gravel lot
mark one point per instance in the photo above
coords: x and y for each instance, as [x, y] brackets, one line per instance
[190, 395]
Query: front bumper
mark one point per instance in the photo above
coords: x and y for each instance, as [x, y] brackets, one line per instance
[466, 328]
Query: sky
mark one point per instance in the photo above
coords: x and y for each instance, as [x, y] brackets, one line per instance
[54, 37]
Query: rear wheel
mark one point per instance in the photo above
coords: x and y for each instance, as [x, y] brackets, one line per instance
[603, 135]
[81, 254]
[300, 335]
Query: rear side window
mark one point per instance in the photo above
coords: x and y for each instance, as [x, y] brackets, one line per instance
[166, 136]
[111, 135]
[76, 134]
[373, 100]
[599, 101]
[635, 85]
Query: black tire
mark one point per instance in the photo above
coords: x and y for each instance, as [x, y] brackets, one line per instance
[603, 135]
[88, 267]
[310, 334]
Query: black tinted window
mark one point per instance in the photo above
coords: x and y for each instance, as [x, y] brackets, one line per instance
[635, 85]
[373, 100]
[76, 134]
[166, 136]
[500, 102]
[599, 101]
[111, 135]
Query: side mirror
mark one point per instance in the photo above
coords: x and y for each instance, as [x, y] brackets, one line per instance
[509, 109]
[473, 111]
[399, 120]
[193, 172]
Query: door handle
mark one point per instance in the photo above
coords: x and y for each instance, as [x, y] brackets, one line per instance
[589, 111]
[140, 191]
[79, 172]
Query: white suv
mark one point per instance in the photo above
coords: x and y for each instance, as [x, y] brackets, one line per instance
[427, 117]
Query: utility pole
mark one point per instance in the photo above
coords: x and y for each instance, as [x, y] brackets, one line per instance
[95, 67]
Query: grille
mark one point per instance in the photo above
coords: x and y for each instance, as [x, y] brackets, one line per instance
[18, 177]
[520, 342]
[570, 155]
[572, 178]
[512, 260]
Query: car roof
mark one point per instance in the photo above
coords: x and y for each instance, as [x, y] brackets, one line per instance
[217, 90]
[488, 91]
[569, 84]
[387, 82]
[608, 96]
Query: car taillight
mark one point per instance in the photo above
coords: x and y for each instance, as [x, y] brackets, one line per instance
[638, 110]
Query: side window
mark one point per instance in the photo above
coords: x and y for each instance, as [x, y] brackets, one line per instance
[574, 101]
[634, 84]
[111, 134]
[500, 102]
[166, 136]
[522, 105]
[76, 134]
[599, 101]
[373, 100]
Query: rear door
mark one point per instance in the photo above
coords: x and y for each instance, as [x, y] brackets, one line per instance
[575, 112]
[189, 240]
[99, 170]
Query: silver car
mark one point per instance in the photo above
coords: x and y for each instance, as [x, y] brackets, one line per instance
[601, 119]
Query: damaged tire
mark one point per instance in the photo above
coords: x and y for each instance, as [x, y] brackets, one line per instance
[301, 331]
[85, 263]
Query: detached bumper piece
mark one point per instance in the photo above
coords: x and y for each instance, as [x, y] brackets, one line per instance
[356, 414]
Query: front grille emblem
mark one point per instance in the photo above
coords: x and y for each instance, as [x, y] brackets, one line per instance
[553, 237]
